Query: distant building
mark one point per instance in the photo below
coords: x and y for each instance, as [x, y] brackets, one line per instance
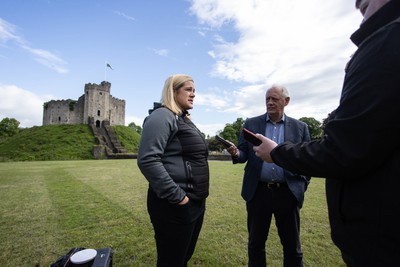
[96, 107]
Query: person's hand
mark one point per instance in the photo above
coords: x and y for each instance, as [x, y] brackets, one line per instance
[263, 151]
[184, 201]
[233, 150]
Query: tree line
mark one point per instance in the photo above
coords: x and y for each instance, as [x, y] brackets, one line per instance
[231, 131]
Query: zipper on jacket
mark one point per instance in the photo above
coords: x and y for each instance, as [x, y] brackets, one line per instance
[189, 174]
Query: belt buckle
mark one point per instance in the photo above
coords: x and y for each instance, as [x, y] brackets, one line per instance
[273, 185]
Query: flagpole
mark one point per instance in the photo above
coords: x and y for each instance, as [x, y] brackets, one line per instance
[106, 65]
[105, 71]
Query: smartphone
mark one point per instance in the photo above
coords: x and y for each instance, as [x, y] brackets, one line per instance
[249, 136]
[223, 141]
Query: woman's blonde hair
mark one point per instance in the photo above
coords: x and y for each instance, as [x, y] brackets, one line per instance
[172, 85]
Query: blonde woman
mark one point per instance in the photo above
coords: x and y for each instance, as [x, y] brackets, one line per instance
[173, 158]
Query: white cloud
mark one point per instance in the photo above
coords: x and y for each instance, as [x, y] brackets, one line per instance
[131, 118]
[8, 34]
[125, 16]
[161, 52]
[48, 59]
[301, 44]
[278, 39]
[210, 129]
[211, 99]
[22, 105]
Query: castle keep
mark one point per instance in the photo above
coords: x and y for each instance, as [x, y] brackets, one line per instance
[96, 107]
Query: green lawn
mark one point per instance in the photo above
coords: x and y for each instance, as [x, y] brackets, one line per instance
[48, 207]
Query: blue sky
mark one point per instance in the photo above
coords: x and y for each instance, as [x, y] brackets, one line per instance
[234, 50]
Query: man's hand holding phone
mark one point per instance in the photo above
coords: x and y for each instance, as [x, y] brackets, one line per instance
[262, 145]
[223, 141]
[230, 147]
[264, 149]
[251, 137]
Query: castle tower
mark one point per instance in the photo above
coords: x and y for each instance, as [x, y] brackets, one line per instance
[97, 103]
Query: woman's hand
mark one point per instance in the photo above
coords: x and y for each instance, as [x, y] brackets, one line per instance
[184, 201]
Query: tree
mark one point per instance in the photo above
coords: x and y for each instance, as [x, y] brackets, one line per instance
[214, 145]
[135, 127]
[8, 127]
[314, 127]
[232, 131]
[327, 119]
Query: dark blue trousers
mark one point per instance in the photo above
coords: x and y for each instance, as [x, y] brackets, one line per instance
[280, 203]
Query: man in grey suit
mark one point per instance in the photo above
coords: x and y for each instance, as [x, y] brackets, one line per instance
[267, 188]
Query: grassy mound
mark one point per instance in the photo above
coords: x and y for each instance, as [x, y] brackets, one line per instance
[59, 142]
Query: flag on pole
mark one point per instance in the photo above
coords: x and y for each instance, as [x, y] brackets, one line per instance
[108, 65]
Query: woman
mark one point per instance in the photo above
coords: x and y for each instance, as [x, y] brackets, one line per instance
[173, 158]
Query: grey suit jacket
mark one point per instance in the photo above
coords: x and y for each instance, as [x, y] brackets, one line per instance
[295, 131]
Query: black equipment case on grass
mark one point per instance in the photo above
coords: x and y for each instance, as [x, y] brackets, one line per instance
[103, 258]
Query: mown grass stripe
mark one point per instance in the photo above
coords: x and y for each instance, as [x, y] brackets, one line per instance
[48, 207]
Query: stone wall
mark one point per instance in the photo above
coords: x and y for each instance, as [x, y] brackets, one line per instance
[63, 112]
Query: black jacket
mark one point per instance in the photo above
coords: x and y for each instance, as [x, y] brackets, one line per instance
[360, 152]
[173, 157]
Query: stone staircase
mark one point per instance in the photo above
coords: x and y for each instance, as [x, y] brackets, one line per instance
[107, 145]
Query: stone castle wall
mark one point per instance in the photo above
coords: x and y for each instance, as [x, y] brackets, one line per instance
[97, 106]
[117, 111]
